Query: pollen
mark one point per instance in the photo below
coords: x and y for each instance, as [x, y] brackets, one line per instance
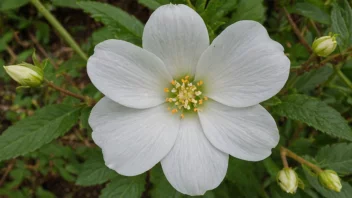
[185, 95]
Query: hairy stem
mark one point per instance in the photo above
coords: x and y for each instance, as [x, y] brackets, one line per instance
[56, 24]
[284, 151]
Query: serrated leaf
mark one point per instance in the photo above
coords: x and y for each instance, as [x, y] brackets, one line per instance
[94, 171]
[314, 113]
[341, 21]
[33, 132]
[65, 3]
[346, 190]
[123, 25]
[313, 12]
[337, 157]
[125, 187]
[161, 187]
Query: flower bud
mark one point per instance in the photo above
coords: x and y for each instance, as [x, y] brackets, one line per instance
[25, 74]
[324, 45]
[330, 180]
[287, 180]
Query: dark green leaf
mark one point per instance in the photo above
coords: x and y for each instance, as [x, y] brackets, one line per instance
[314, 113]
[341, 19]
[125, 187]
[313, 12]
[337, 157]
[249, 10]
[151, 4]
[123, 25]
[309, 80]
[33, 132]
[94, 171]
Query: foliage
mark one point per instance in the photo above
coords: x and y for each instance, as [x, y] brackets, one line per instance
[46, 148]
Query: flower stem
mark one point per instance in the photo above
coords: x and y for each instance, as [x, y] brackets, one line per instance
[344, 78]
[285, 152]
[56, 24]
[283, 157]
[69, 93]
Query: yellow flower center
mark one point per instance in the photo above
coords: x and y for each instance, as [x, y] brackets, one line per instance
[185, 96]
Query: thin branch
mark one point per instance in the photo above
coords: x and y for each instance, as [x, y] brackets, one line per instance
[299, 159]
[9, 168]
[67, 92]
[283, 157]
[297, 32]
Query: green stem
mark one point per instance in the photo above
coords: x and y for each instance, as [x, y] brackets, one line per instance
[56, 24]
[344, 78]
[190, 4]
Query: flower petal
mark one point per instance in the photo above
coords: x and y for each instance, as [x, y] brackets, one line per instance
[246, 133]
[243, 66]
[177, 35]
[194, 166]
[128, 74]
[132, 140]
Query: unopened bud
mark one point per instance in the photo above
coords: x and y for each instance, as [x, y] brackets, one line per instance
[25, 74]
[324, 45]
[330, 180]
[287, 180]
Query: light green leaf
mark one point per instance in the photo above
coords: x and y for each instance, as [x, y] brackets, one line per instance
[313, 12]
[337, 157]
[125, 187]
[161, 187]
[314, 113]
[249, 10]
[341, 19]
[123, 25]
[94, 171]
[12, 4]
[33, 132]
[346, 190]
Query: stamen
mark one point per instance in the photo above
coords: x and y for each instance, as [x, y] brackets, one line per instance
[185, 96]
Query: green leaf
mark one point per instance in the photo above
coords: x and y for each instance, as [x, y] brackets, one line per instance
[123, 25]
[151, 4]
[65, 3]
[249, 10]
[125, 187]
[314, 113]
[309, 80]
[94, 171]
[33, 132]
[337, 157]
[243, 175]
[161, 187]
[12, 4]
[341, 19]
[313, 12]
[346, 190]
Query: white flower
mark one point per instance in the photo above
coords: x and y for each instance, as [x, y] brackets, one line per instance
[185, 103]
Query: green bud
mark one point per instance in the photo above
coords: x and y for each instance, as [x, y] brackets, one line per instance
[287, 180]
[25, 74]
[325, 45]
[330, 180]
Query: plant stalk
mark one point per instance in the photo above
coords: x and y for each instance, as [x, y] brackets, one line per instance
[285, 152]
[62, 31]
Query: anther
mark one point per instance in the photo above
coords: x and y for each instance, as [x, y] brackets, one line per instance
[166, 90]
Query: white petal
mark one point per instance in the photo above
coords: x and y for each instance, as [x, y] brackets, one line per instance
[247, 133]
[178, 35]
[132, 140]
[243, 66]
[128, 74]
[194, 166]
